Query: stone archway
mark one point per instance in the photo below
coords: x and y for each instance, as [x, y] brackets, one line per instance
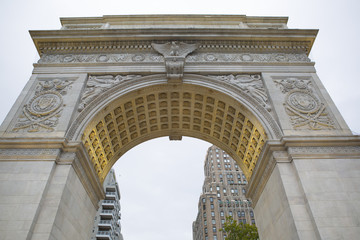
[104, 85]
[174, 110]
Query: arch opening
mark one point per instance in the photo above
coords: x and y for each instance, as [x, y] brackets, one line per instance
[173, 110]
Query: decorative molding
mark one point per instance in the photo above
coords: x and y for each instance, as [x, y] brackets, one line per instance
[251, 84]
[303, 106]
[33, 153]
[43, 110]
[147, 56]
[241, 46]
[98, 84]
[99, 58]
[337, 150]
[248, 57]
[174, 55]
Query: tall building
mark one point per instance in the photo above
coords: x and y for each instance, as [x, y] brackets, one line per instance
[223, 195]
[107, 220]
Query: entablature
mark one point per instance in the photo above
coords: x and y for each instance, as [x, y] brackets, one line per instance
[210, 33]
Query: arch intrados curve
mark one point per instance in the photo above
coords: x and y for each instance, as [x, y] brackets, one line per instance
[149, 107]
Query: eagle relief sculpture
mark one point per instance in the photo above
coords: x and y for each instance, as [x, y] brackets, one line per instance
[174, 54]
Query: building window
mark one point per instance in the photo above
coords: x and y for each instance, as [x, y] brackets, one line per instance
[206, 230]
[239, 214]
[204, 214]
[253, 221]
[230, 213]
[224, 190]
[218, 194]
[222, 221]
[213, 221]
[251, 214]
[222, 213]
[212, 206]
[203, 200]
[211, 199]
[214, 229]
[243, 191]
[205, 223]
[242, 213]
[217, 188]
[212, 214]
[215, 238]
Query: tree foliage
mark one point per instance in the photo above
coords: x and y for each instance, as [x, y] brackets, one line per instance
[239, 231]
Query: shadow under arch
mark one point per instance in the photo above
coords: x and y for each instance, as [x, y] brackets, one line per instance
[148, 107]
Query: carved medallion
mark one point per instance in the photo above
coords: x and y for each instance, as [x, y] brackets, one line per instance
[304, 108]
[43, 110]
[303, 101]
[102, 58]
[45, 103]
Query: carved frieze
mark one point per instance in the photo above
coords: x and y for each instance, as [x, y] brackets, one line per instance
[174, 55]
[154, 57]
[251, 84]
[345, 150]
[247, 57]
[25, 153]
[98, 84]
[100, 58]
[43, 110]
[302, 104]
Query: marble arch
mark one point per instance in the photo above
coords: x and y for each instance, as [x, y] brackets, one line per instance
[105, 84]
[174, 110]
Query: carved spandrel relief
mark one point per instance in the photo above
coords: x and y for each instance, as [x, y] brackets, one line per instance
[304, 107]
[43, 110]
[98, 84]
[252, 85]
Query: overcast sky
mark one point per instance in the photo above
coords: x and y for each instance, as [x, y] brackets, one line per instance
[160, 181]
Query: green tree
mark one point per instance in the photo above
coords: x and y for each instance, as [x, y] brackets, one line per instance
[239, 231]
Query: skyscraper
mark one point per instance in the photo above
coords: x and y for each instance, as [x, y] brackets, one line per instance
[223, 195]
[107, 220]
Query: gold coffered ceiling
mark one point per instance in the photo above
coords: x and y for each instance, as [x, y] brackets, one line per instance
[175, 111]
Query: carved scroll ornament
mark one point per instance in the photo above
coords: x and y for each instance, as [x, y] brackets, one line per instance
[305, 109]
[42, 112]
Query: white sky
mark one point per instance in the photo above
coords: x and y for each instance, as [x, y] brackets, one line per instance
[160, 181]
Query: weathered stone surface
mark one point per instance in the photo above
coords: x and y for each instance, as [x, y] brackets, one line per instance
[229, 80]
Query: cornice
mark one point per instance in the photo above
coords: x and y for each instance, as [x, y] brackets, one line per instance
[105, 40]
[173, 18]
